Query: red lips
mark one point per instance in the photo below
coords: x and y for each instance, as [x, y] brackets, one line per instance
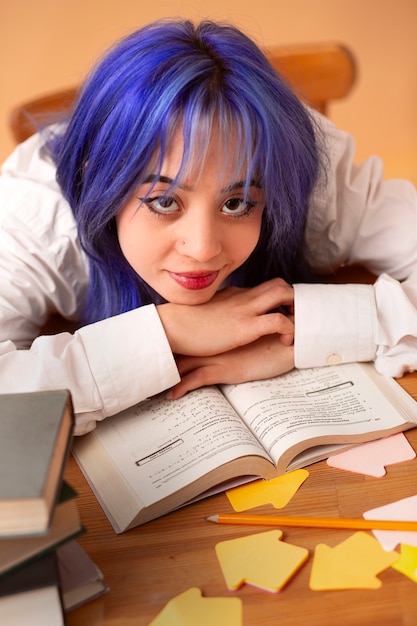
[194, 280]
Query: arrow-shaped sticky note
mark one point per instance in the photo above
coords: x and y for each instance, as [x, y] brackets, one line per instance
[261, 560]
[407, 564]
[352, 564]
[190, 608]
[372, 458]
[404, 509]
[277, 491]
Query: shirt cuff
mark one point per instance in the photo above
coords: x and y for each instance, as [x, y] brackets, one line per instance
[130, 358]
[333, 324]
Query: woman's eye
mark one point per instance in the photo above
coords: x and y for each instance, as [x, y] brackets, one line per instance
[161, 204]
[238, 206]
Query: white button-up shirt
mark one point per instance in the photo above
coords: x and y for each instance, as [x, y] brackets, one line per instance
[354, 217]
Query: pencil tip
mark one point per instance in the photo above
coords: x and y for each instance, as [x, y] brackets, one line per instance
[212, 518]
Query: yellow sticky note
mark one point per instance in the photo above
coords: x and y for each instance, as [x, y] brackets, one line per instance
[190, 608]
[260, 560]
[277, 491]
[407, 563]
[352, 564]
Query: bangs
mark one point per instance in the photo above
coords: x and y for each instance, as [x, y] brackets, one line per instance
[230, 132]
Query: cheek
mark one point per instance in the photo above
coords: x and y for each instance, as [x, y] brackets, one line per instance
[247, 240]
[133, 251]
[134, 241]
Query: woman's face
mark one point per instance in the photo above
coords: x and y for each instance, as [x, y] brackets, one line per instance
[185, 241]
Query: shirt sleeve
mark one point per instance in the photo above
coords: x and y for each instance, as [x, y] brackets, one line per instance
[107, 366]
[357, 217]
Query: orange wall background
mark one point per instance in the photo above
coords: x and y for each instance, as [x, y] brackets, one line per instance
[51, 44]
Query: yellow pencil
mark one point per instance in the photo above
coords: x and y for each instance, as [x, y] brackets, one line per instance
[312, 522]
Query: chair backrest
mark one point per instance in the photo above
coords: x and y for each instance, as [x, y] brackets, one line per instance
[318, 73]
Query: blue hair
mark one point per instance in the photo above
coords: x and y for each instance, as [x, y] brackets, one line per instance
[168, 73]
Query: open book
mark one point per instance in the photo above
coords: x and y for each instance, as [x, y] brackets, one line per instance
[161, 454]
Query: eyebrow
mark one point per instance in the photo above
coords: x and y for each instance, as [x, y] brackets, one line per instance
[241, 184]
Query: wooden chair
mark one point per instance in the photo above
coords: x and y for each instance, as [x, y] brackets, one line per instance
[318, 73]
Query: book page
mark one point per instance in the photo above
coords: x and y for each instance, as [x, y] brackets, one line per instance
[163, 445]
[334, 403]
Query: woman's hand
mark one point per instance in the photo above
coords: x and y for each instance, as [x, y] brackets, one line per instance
[231, 319]
[264, 358]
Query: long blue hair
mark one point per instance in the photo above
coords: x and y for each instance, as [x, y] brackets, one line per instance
[168, 73]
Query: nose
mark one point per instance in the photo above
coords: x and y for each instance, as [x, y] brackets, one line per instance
[200, 237]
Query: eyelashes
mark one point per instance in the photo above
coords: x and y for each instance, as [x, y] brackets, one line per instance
[167, 205]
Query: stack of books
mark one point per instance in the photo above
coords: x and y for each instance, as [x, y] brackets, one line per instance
[44, 572]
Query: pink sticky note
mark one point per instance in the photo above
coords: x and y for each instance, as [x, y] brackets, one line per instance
[372, 458]
[406, 510]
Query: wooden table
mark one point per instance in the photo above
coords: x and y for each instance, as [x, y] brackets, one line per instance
[147, 566]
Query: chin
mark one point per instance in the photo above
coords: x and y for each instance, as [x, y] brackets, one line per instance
[192, 298]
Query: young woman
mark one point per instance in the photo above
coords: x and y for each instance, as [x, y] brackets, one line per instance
[182, 215]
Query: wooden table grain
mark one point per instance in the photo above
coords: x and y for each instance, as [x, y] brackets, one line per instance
[147, 566]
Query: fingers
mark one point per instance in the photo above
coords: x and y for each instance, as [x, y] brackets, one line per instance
[275, 323]
[287, 340]
[272, 295]
[197, 378]
[265, 297]
[268, 296]
[186, 364]
[272, 283]
[235, 318]
[264, 309]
